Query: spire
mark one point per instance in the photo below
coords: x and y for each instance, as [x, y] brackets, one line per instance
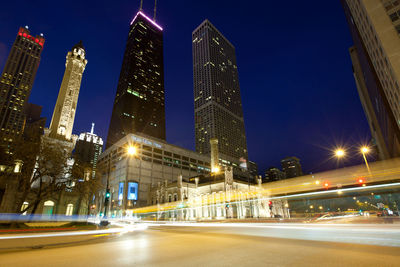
[79, 45]
[141, 5]
[91, 131]
[155, 9]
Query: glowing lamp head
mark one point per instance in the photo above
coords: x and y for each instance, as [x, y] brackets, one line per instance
[361, 181]
[326, 184]
[215, 170]
[364, 150]
[132, 150]
[339, 153]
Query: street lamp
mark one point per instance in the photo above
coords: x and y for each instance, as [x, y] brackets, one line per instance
[131, 151]
[364, 151]
[339, 153]
[215, 170]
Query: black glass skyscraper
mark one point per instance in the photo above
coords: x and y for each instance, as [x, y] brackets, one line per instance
[139, 105]
[217, 100]
[16, 83]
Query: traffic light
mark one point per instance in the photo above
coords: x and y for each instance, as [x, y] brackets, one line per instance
[326, 185]
[361, 181]
[108, 195]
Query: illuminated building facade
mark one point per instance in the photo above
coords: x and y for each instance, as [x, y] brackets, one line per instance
[131, 176]
[16, 82]
[209, 197]
[375, 29]
[63, 118]
[88, 148]
[139, 105]
[217, 100]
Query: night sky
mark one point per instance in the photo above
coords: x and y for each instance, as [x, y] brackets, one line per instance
[298, 92]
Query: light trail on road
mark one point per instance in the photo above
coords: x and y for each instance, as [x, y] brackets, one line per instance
[370, 234]
[121, 230]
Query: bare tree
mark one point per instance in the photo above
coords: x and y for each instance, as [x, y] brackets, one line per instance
[45, 170]
[84, 184]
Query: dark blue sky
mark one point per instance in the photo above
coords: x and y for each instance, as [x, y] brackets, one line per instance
[298, 92]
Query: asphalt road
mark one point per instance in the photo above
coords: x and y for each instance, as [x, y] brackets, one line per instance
[180, 245]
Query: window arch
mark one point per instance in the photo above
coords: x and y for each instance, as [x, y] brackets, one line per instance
[70, 210]
[24, 206]
[48, 207]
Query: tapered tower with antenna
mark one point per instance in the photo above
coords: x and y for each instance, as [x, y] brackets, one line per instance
[155, 10]
[139, 101]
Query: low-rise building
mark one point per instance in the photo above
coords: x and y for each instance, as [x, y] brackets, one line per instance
[213, 196]
[130, 174]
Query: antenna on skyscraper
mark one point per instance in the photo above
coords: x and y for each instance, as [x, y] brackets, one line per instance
[141, 5]
[155, 9]
[91, 131]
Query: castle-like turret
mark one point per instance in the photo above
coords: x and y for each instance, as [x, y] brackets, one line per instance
[63, 118]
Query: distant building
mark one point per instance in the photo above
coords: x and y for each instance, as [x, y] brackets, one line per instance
[252, 168]
[291, 167]
[88, 148]
[273, 174]
[375, 29]
[217, 99]
[139, 105]
[35, 124]
[63, 118]
[16, 82]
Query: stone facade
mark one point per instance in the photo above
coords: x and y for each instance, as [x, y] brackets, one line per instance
[62, 121]
[212, 197]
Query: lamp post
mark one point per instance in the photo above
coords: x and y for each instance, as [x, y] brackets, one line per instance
[107, 196]
[130, 151]
[364, 151]
[340, 153]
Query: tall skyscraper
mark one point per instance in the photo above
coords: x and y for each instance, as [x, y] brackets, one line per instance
[16, 82]
[139, 105]
[217, 100]
[63, 118]
[375, 29]
[88, 149]
[291, 167]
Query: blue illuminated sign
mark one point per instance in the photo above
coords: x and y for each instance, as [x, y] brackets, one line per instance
[145, 141]
[132, 191]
